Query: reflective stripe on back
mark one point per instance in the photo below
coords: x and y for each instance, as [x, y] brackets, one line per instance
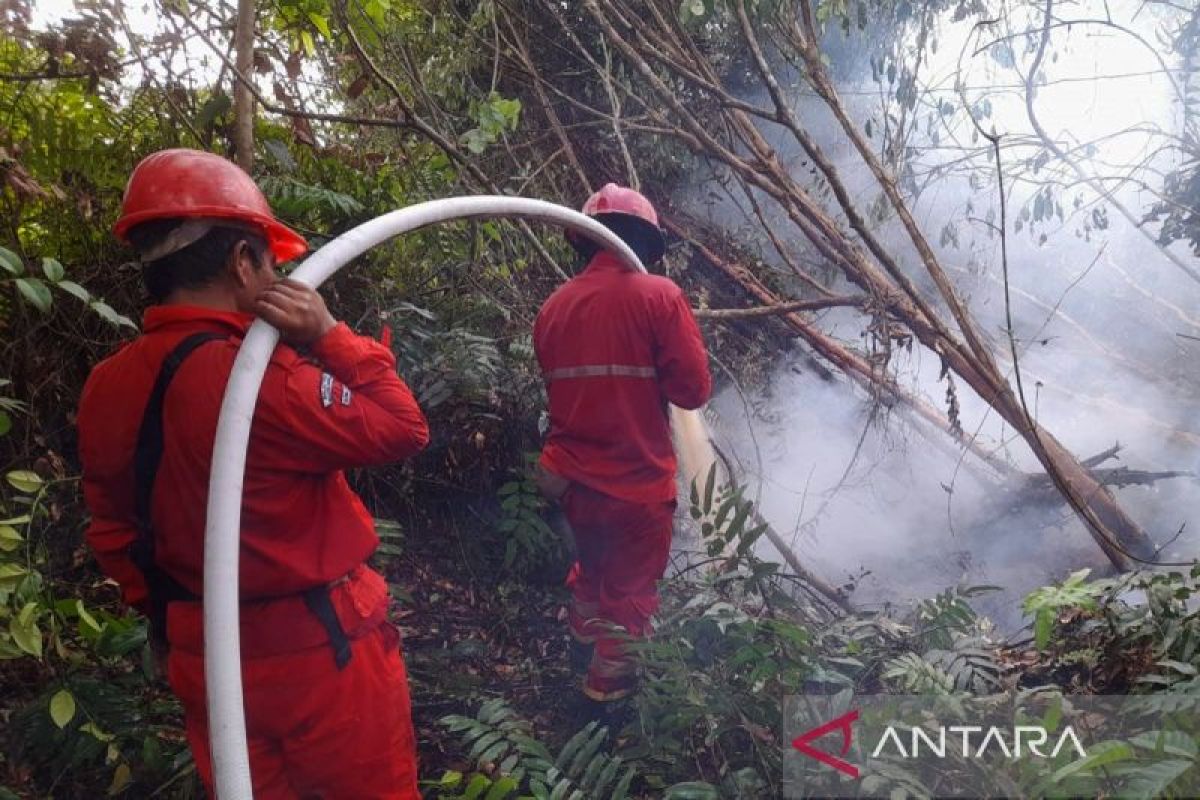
[600, 371]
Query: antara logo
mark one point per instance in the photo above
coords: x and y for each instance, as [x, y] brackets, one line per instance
[975, 742]
[1033, 737]
[842, 723]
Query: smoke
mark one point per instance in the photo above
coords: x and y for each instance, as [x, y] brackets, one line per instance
[864, 494]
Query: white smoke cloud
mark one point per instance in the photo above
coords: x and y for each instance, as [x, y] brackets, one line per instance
[1096, 313]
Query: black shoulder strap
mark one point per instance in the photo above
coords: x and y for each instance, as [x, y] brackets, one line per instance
[162, 587]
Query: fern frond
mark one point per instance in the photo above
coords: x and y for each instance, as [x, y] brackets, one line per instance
[918, 676]
[580, 771]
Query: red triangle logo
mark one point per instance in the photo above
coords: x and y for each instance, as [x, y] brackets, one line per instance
[842, 723]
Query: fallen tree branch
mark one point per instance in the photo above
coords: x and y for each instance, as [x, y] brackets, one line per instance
[849, 363]
[782, 308]
[1128, 476]
[1102, 456]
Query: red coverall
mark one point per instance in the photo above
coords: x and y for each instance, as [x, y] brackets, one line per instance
[615, 347]
[314, 730]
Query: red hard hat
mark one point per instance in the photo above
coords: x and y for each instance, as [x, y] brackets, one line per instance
[184, 184]
[614, 199]
[631, 215]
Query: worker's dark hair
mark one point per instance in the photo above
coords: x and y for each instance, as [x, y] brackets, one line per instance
[194, 266]
[642, 237]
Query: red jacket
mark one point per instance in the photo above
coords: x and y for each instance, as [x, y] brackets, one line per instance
[302, 526]
[615, 347]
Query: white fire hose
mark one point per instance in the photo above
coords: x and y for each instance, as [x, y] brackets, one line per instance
[222, 646]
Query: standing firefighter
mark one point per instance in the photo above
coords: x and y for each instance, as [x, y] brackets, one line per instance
[327, 705]
[616, 347]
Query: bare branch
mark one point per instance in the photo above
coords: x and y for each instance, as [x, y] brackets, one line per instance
[724, 314]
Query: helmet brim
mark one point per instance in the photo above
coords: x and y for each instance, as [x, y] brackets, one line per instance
[285, 243]
[645, 238]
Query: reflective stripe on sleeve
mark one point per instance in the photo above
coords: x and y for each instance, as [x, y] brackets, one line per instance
[600, 371]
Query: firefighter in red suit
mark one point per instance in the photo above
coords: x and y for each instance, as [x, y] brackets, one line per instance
[326, 694]
[615, 348]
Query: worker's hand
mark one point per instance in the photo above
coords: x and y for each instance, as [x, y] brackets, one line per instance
[296, 310]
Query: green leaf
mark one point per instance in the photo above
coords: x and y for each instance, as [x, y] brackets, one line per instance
[475, 787]
[376, 11]
[278, 150]
[122, 777]
[1175, 743]
[87, 622]
[306, 41]
[502, 788]
[11, 262]
[710, 483]
[1153, 780]
[36, 293]
[476, 140]
[450, 778]
[692, 790]
[10, 538]
[1042, 628]
[509, 110]
[73, 288]
[91, 729]
[53, 270]
[1179, 666]
[1103, 754]
[320, 23]
[8, 650]
[108, 314]
[25, 631]
[62, 708]
[217, 105]
[1077, 578]
[5, 422]
[25, 481]
[11, 575]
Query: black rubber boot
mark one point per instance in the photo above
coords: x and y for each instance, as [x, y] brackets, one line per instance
[580, 656]
[615, 715]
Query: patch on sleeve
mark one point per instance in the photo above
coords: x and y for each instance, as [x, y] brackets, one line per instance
[345, 395]
[326, 389]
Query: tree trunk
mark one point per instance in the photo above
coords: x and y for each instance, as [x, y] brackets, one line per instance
[243, 101]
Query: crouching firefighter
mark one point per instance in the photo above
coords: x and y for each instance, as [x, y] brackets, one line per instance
[615, 347]
[326, 694]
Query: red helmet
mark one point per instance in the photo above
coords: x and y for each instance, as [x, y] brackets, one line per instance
[186, 184]
[614, 199]
[630, 215]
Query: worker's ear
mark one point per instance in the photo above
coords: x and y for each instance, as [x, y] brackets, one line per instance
[243, 266]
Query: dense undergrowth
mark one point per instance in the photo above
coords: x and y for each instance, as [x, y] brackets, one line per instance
[494, 696]
[734, 640]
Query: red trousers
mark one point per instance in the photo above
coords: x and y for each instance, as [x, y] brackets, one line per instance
[623, 549]
[314, 731]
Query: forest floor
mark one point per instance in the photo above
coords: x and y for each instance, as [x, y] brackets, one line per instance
[468, 637]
